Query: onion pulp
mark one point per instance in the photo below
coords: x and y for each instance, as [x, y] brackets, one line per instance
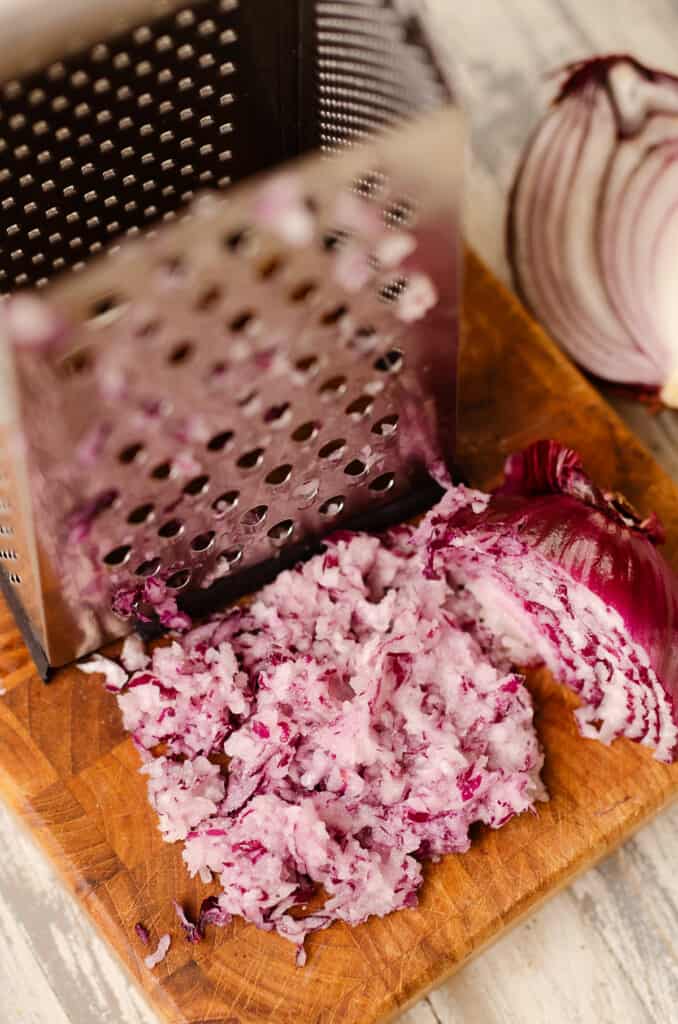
[593, 222]
[562, 573]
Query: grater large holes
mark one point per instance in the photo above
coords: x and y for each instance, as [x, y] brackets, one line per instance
[118, 556]
[197, 486]
[162, 471]
[333, 316]
[230, 558]
[203, 542]
[280, 475]
[333, 450]
[360, 407]
[281, 533]
[151, 567]
[386, 426]
[365, 339]
[225, 503]
[303, 291]
[220, 441]
[383, 483]
[77, 363]
[179, 580]
[238, 240]
[333, 506]
[270, 267]
[307, 366]
[241, 321]
[390, 362]
[306, 492]
[249, 402]
[355, 469]
[141, 514]
[106, 309]
[131, 453]
[254, 517]
[208, 299]
[278, 415]
[334, 387]
[171, 529]
[180, 353]
[251, 460]
[306, 432]
[334, 239]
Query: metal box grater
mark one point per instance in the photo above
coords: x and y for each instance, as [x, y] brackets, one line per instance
[264, 363]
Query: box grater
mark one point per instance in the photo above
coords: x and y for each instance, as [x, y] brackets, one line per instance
[269, 359]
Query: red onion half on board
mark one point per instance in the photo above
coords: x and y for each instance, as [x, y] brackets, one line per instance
[561, 573]
[593, 222]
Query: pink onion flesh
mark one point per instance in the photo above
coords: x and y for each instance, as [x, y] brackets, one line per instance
[593, 222]
[369, 704]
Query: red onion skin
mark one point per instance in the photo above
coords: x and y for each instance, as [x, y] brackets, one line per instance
[557, 511]
[596, 70]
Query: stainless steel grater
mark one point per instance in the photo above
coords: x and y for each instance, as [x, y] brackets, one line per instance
[266, 361]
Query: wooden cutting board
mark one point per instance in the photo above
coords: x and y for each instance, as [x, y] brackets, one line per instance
[71, 775]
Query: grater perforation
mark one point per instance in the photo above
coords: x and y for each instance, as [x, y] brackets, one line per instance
[223, 386]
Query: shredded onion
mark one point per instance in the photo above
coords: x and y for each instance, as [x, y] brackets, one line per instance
[116, 677]
[193, 932]
[593, 222]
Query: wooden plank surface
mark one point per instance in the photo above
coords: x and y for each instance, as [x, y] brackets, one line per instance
[614, 929]
[72, 776]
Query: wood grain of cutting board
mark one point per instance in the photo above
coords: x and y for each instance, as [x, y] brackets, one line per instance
[71, 775]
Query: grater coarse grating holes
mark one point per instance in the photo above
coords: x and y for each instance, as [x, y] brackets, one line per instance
[266, 362]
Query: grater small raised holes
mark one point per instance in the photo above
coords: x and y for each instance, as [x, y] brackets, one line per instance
[208, 361]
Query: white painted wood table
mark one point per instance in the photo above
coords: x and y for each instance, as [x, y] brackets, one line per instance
[605, 950]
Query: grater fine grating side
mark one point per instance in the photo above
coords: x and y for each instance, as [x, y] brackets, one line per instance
[208, 362]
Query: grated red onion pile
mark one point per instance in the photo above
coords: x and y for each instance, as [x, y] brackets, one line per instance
[365, 731]
[368, 704]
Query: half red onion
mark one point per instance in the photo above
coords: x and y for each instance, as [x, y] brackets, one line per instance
[560, 572]
[593, 222]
